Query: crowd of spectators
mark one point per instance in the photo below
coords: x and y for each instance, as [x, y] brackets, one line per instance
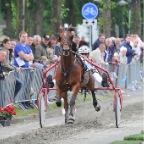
[29, 50]
[126, 49]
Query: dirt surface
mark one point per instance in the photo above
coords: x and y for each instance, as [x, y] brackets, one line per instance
[90, 127]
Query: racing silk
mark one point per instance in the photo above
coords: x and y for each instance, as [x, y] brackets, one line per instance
[89, 66]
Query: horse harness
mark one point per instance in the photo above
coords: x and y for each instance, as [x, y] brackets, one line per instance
[66, 73]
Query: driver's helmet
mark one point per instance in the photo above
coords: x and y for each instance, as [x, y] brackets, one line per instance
[84, 49]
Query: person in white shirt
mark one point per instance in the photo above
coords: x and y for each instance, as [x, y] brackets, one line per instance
[122, 55]
[97, 55]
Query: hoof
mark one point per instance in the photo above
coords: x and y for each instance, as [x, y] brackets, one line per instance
[97, 108]
[58, 103]
[71, 120]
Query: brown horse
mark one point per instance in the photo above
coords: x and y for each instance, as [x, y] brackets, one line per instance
[70, 75]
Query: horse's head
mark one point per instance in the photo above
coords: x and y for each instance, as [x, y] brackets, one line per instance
[65, 38]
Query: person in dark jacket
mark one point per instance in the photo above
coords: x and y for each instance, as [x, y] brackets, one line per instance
[99, 41]
[109, 52]
[7, 66]
[130, 52]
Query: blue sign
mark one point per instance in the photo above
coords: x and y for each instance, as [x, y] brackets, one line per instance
[89, 11]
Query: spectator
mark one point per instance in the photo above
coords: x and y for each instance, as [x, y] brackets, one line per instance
[75, 43]
[41, 54]
[118, 44]
[130, 52]
[36, 42]
[122, 55]
[29, 40]
[54, 48]
[115, 59]
[6, 45]
[99, 41]
[22, 52]
[115, 63]
[23, 55]
[7, 66]
[13, 44]
[109, 50]
[82, 42]
[137, 50]
[97, 55]
[3, 56]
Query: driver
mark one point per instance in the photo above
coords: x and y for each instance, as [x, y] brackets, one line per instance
[102, 80]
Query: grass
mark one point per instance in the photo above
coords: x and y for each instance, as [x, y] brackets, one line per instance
[22, 113]
[132, 139]
[135, 137]
[127, 142]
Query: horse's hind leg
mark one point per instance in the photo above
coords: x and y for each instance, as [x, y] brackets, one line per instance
[95, 103]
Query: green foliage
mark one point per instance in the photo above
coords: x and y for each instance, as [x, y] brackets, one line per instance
[135, 137]
[6, 116]
[14, 14]
[132, 139]
[109, 5]
[64, 10]
[74, 11]
[102, 6]
[54, 20]
[126, 142]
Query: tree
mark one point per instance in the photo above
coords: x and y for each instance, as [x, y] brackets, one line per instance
[8, 18]
[45, 16]
[136, 17]
[19, 17]
[56, 19]
[107, 18]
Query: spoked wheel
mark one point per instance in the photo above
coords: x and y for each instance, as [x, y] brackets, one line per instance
[118, 108]
[42, 110]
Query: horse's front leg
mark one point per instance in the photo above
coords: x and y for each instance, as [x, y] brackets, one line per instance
[95, 103]
[66, 107]
[73, 95]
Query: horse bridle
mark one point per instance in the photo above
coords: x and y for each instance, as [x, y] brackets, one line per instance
[67, 42]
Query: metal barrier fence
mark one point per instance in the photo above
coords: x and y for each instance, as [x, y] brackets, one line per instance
[123, 76]
[7, 88]
[27, 77]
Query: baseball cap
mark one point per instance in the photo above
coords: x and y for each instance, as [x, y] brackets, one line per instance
[45, 36]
